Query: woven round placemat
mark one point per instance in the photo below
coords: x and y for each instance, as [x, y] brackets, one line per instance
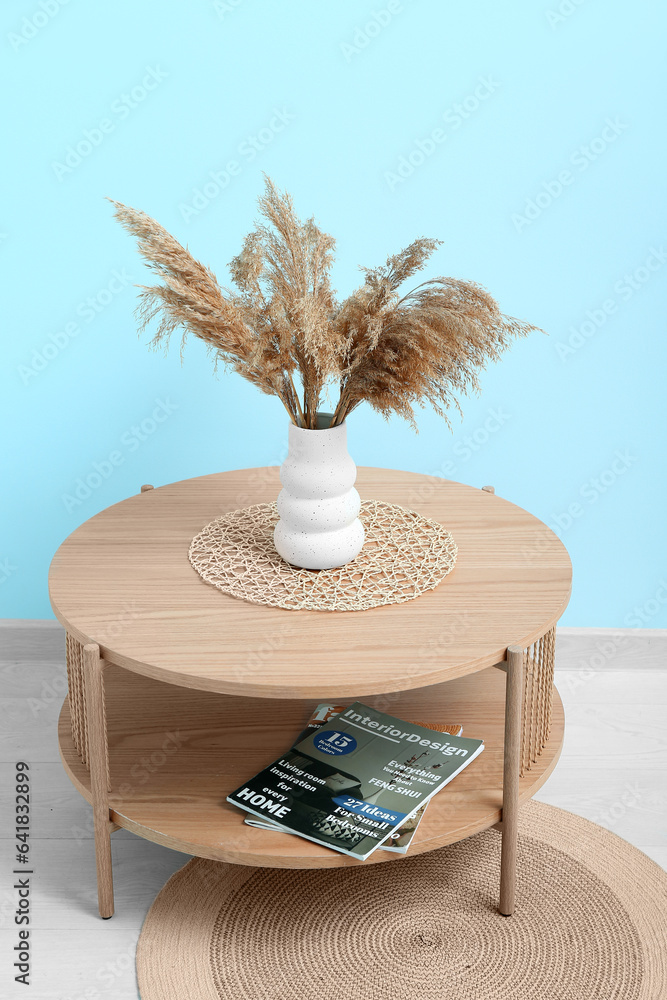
[590, 924]
[404, 554]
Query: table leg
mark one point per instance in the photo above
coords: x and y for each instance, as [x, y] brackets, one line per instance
[97, 753]
[511, 769]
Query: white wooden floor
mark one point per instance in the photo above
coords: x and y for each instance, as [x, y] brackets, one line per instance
[613, 771]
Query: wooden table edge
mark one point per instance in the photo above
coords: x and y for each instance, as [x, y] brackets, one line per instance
[320, 691]
[256, 688]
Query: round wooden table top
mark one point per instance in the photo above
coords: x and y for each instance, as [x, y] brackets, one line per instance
[124, 581]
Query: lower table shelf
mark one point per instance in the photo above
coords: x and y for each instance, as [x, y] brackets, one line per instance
[175, 753]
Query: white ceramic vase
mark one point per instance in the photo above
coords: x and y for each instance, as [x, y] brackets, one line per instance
[318, 505]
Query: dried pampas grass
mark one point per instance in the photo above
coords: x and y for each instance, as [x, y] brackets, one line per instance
[284, 330]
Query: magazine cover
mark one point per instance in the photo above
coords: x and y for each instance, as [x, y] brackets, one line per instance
[399, 841]
[352, 782]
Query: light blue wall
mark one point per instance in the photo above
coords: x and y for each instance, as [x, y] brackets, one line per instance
[344, 93]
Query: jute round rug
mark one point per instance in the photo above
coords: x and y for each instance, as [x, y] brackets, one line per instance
[590, 924]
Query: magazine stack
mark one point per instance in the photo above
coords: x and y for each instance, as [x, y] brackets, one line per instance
[356, 779]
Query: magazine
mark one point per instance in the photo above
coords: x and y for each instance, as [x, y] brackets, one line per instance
[399, 841]
[350, 783]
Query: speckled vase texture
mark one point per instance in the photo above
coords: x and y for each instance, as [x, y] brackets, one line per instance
[318, 506]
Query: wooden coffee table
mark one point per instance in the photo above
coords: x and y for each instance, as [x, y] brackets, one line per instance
[178, 693]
